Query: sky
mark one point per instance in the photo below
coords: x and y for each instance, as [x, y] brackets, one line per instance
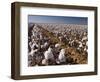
[57, 19]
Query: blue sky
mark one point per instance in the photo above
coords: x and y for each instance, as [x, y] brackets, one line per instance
[57, 19]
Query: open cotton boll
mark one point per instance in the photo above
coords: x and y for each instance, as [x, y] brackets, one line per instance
[48, 54]
[62, 57]
[32, 53]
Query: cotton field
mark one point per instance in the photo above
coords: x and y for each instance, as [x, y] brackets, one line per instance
[57, 44]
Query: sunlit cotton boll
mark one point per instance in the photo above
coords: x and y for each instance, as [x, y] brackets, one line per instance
[48, 54]
[62, 57]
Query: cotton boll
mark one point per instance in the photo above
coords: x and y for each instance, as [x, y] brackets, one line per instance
[61, 56]
[44, 62]
[48, 54]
